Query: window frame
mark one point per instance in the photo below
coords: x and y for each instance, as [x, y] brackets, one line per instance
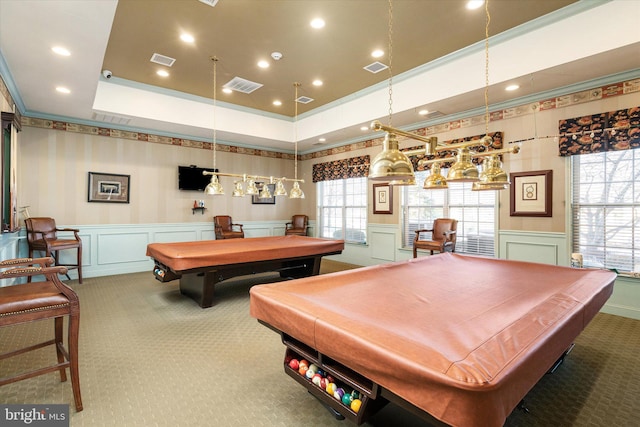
[349, 233]
[485, 245]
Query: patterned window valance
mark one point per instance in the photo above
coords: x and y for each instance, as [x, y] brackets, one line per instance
[497, 144]
[355, 167]
[612, 131]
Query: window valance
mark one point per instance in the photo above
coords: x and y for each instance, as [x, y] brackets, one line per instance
[612, 131]
[354, 167]
[497, 144]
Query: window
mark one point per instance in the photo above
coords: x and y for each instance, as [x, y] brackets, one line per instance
[342, 206]
[606, 209]
[474, 210]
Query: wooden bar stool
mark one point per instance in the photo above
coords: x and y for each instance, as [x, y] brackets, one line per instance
[30, 302]
[42, 235]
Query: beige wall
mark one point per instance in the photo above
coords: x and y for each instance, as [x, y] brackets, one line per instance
[53, 174]
[53, 167]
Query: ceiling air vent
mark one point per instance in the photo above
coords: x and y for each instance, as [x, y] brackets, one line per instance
[239, 84]
[162, 60]
[376, 67]
[432, 115]
[211, 3]
[110, 118]
[304, 100]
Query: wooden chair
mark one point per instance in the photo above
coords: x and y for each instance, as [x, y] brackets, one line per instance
[49, 299]
[443, 237]
[42, 235]
[297, 226]
[226, 229]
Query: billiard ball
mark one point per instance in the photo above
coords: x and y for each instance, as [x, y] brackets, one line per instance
[309, 374]
[338, 393]
[330, 378]
[331, 388]
[316, 379]
[303, 362]
[294, 364]
[302, 370]
[355, 405]
[323, 383]
[346, 399]
[313, 367]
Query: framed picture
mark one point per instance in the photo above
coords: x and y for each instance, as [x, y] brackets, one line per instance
[108, 188]
[382, 199]
[531, 193]
[256, 200]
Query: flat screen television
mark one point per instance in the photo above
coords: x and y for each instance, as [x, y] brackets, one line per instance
[190, 178]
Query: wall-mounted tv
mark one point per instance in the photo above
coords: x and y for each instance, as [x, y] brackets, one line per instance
[190, 178]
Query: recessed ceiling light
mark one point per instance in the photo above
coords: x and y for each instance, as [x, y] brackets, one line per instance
[63, 89]
[188, 38]
[377, 53]
[317, 23]
[61, 51]
[322, 139]
[277, 103]
[364, 127]
[263, 64]
[227, 90]
[512, 87]
[423, 112]
[317, 82]
[474, 4]
[162, 73]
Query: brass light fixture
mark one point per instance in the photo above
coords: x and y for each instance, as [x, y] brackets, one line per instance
[394, 166]
[215, 188]
[391, 163]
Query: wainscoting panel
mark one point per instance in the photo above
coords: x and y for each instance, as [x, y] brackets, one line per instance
[546, 248]
[111, 249]
[383, 245]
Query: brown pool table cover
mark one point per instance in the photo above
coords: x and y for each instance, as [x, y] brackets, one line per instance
[463, 338]
[181, 256]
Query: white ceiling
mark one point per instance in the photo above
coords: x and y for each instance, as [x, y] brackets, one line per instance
[584, 41]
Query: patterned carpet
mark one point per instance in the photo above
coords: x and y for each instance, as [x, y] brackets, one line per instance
[151, 357]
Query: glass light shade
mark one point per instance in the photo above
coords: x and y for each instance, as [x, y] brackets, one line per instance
[252, 189]
[280, 190]
[264, 192]
[214, 188]
[296, 192]
[492, 176]
[391, 164]
[435, 180]
[238, 191]
[463, 169]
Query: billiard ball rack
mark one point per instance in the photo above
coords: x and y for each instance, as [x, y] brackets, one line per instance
[369, 392]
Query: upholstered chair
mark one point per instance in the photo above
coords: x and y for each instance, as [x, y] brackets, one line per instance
[226, 229]
[297, 226]
[443, 237]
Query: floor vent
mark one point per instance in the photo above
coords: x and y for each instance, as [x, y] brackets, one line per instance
[304, 99]
[239, 84]
[376, 67]
[110, 118]
[162, 60]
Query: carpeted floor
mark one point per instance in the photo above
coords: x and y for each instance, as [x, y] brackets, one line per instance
[151, 357]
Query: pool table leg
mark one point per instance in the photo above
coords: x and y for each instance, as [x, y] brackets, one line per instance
[200, 287]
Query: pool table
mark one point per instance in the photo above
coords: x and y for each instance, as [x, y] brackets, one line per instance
[457, 339]
[200, 265]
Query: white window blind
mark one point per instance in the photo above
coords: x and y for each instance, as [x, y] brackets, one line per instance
[342, 206]
[474, 210]
[606, 209]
